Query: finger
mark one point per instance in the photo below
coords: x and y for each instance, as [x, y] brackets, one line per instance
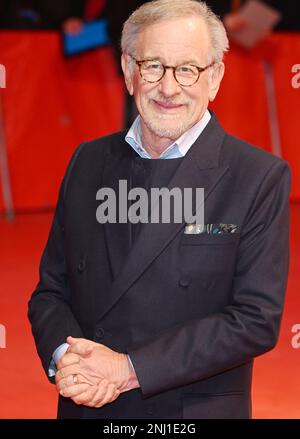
[65, 382]
[111, 395]
[74, 391]
[67, 360]
[72, 340]
[87, 396]
[82, 347]
[106, 394]
[64, 372]
[80, 377]
[102, 388]
[69, 381]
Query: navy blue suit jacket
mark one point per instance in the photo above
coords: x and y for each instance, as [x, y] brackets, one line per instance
[192, 311]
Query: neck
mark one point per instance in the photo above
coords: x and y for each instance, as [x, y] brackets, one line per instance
[154, 144]
[157, 147]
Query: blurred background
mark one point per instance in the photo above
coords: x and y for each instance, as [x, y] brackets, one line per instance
[61, 84]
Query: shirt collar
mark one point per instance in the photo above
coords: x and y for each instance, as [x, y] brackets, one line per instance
[178, 149]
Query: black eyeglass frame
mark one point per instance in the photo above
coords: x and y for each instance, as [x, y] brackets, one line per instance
[200, 70]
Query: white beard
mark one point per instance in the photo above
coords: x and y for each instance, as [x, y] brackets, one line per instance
[159, 124]
[160, 129]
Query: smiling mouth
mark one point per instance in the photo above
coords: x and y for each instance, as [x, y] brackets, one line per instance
[164, 106]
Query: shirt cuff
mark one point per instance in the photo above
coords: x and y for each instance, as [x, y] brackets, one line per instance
[57, 354]
[130, 362]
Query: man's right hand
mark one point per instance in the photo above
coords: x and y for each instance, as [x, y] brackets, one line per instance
[83, 390]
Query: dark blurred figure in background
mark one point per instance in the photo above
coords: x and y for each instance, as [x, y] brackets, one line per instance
[228, 11]
[116, 12]
[115, 24]
[37, 14]
[47, 14]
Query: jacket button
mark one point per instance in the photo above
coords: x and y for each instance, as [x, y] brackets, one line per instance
[100, 333]
[184, 282]
[81, 266]
[150, 411]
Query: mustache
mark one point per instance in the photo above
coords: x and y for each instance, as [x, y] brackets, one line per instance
[168, 101]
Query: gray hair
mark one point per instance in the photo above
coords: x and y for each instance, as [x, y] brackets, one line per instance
[160, 10]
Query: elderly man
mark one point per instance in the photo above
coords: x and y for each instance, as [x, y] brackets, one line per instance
[163, 320]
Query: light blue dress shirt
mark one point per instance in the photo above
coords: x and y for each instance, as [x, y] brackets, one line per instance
[178, 149]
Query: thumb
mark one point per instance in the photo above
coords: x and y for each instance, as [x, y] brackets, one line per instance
[71, 340]
[80, 346]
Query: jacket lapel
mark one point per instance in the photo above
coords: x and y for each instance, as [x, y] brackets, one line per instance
[200, 168]
[117, 167]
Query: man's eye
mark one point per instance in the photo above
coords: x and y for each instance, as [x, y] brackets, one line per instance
[153, 66]
[186, 70]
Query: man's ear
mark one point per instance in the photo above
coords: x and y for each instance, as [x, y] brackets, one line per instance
[128, 74]
[215, 79]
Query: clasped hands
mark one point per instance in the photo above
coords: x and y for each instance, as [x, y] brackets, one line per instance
[92, 374]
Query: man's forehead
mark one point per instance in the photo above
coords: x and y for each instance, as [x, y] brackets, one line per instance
[183, 39]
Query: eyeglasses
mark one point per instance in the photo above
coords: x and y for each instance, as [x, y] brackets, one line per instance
[186, 74]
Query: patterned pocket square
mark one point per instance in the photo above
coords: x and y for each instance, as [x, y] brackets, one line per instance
[212, 229]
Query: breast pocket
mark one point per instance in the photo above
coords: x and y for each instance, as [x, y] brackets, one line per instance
[208, 258]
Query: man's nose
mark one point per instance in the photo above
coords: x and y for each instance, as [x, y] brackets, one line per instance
[168, 85]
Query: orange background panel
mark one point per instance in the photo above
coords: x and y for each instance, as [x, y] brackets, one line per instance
[288, 102]
[51, 104]
[241, 103]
